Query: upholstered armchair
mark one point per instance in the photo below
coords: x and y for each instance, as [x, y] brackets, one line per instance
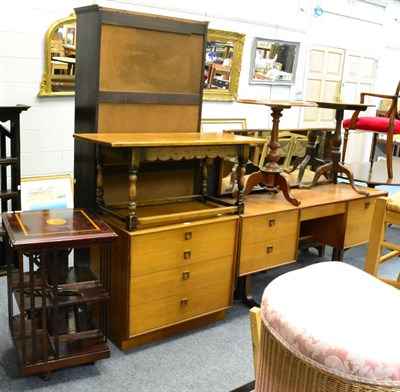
[388, 124]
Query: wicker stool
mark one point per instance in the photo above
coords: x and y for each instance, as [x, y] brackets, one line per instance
[329, 327]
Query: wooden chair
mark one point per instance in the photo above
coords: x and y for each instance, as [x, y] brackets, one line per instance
[387, 211]
[319, 329]
[389, 125]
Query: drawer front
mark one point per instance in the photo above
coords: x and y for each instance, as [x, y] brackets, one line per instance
[265, 227]
[174, 281]
[180, 247]
[359, 219]
[177, 308]
[322, 210]
[263, 255]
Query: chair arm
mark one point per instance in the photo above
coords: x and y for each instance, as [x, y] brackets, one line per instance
[378, 96]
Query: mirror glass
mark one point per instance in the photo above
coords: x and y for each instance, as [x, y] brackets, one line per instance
[223, 62]
[273, 61]
[60, 48]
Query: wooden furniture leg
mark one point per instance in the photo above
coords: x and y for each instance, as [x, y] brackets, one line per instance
[270, 177]
[335, 167]
[243, 291]
[308, 159]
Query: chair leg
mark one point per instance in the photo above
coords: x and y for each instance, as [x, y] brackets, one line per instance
[345, 137]
[373, 148]
[255, 325]
[389, 156]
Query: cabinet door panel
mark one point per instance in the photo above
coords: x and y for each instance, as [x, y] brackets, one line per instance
[358, 224]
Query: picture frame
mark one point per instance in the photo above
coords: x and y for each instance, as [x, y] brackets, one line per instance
[47, 192]
[273, 61]
[226, 176]
[220, 124]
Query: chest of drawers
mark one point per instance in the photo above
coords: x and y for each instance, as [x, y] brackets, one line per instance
[167, 279]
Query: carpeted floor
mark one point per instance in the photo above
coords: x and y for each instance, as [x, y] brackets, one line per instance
[214, 358]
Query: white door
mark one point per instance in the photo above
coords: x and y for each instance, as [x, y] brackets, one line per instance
[358, 76]
[336, 74]
[324, 80]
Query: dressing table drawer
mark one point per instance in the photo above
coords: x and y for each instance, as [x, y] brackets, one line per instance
[323, 211]
[262, 255]
[269, 226]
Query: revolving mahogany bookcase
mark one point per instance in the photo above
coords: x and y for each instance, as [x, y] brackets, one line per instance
[60, 315]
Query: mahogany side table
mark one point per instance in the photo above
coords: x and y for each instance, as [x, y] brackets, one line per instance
[270, 176]
[335, 167]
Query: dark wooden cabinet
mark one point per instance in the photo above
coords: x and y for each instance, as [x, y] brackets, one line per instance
[134, 73]
[10, 164]
[57, 306]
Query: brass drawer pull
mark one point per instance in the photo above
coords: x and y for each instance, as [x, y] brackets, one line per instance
[185, 275]
[187, 254]
[184, 302]
[270, 249]
[271, 222]
[367, 204]
[188, 235]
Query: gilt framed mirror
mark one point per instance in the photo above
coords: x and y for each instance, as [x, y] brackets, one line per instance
[59, 68]
[273, 61]
[223, 63]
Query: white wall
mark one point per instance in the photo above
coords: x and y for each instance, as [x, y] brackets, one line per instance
[370, 26]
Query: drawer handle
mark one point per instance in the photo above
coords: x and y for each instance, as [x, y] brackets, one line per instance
[271, 222]
[185, 275]
[270, 249]
[188, 235]
[367, 204]
[187, 254]
[184, 302]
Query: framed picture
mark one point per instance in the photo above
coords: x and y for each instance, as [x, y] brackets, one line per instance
[218, 124]
[47, 192]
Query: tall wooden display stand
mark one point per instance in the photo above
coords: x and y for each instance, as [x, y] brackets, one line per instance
[144, 74]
